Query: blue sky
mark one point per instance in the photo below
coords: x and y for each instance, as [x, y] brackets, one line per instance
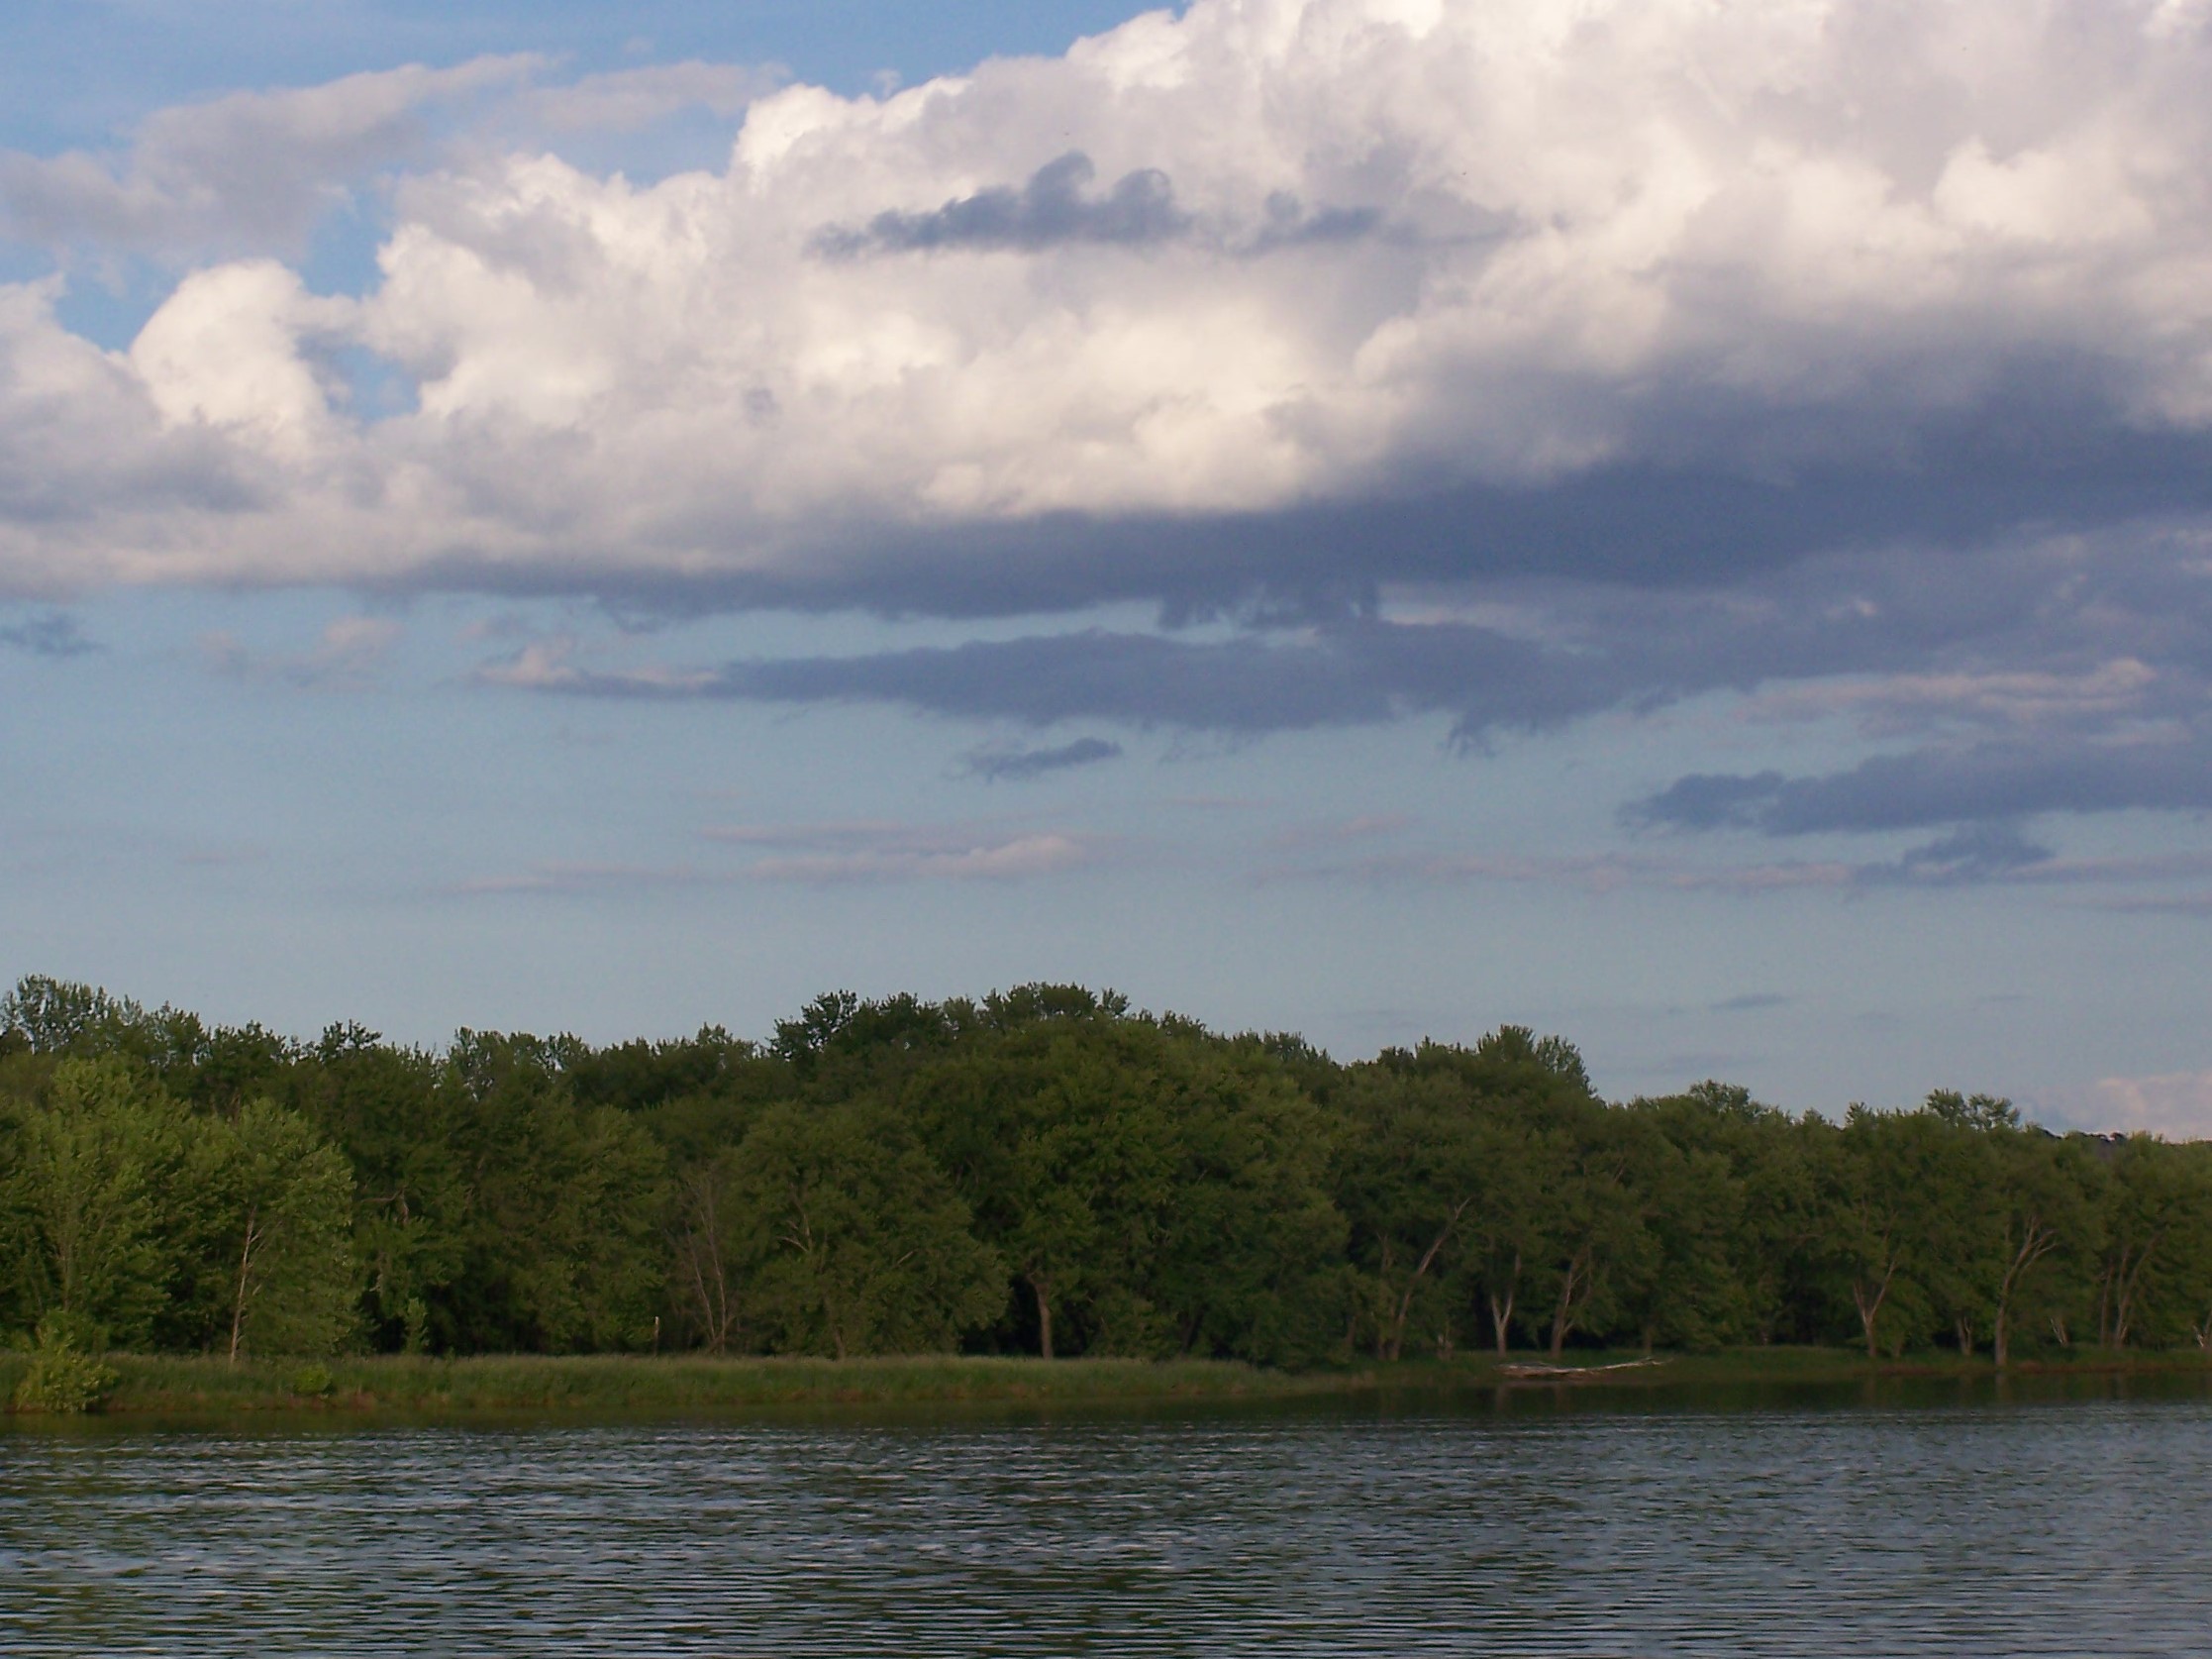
[1684, 527]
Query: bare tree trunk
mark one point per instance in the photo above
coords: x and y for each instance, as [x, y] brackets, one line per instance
[1576, 1279]
[1963, 1328]
[1398, 1342]
[2035, 1241]
[2127, 1281]
[1502, 1312]
[245, 1271]
[1044, 1289]
[709, 1292]
[1381, 1306]
[1869, 1299]
[701, 1253]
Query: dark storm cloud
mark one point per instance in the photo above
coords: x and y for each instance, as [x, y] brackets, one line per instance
[1053, 207]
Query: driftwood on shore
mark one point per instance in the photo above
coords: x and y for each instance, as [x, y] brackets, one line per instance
[1536, 1371]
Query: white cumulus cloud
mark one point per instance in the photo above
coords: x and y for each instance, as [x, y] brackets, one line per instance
[2174, 1105]
[1259, 255]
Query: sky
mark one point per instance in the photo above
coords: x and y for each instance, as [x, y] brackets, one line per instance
[1682, 523]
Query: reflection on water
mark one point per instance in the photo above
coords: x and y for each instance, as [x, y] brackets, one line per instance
[2081, 1528]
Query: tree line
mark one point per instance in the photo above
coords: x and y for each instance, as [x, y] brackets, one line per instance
[1042, 1171]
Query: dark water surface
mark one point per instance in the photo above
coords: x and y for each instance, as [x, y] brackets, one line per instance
[2082, 1527]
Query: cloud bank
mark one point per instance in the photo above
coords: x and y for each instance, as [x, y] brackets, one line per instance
[1566, 244]
[2176, 1105]
[1508, 363]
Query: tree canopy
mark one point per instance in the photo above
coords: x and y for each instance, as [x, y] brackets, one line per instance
[1043, 1171]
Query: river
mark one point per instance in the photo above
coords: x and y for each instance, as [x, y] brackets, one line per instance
[1553, 1526]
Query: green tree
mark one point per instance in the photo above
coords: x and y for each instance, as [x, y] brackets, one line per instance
[859, 1243]
[89, 1201]
[561, 1246]
[283, 1197]
[2041, 1197]
[397, 1121]
[59, 1016]
[1249, 1244]
[707, 1252]
[1416, 1145]
[1735, 1241]
[1872, 1220]
[1603, 1251]
[1457, 1165]
[1055, 1130]
[2146, 1207]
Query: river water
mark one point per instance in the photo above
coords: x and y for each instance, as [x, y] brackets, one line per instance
[1553, 1527]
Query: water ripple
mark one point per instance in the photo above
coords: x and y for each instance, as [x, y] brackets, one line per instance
[2084, 1530]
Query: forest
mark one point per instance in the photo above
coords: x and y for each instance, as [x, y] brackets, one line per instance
[1040, 1172]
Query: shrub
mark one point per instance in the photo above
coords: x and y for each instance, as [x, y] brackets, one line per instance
[64, 1380]
[312, 1381]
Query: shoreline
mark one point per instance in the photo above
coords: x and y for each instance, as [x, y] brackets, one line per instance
[195, 1386]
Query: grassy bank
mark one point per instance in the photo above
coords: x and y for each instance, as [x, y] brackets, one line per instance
[191, 1384]
[170, 1384]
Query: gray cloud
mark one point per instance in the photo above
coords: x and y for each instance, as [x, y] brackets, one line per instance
[2025, 635]
[1974, 856]
[1289, 223]
[573, 880]
[1356, 673]
[1960, 493]
[625, 100]
[1052, 208]
[1946, 785]
[1055, 209]
[837, 854]
[53, 634]
[2161, 904]
[2031, 676]
[250, 170]
[1000, 765]
[348, 656]
[822, 855]
[1975, 853]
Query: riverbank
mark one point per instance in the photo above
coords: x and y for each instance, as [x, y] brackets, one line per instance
[172, 1384]
[196, 1385]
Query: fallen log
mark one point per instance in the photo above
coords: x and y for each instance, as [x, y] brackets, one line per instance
[1538, 1371]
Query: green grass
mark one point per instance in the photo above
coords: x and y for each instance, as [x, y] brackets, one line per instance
[195, 1385]
[190, 1385]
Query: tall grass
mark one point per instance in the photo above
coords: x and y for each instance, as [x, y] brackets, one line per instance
[172, 1384]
